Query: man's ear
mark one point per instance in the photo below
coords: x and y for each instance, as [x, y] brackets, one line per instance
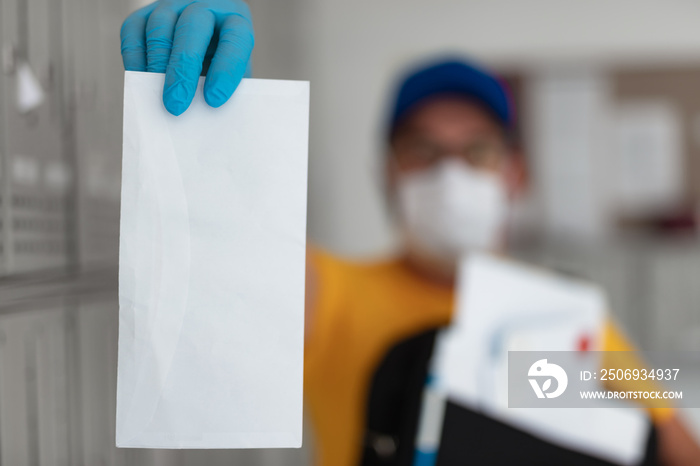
[391, 171]
[390, 180]
[516, 174]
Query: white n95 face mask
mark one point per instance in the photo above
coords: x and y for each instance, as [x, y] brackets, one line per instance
[451, 210]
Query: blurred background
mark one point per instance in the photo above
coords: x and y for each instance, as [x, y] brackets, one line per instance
[609, 119]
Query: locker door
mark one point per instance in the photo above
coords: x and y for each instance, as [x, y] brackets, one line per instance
[98, 75]
[36, 175]
[34, 389]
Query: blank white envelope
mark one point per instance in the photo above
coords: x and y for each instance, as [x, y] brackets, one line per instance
[211, 268]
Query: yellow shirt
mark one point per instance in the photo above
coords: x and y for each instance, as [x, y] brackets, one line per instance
[360, 312]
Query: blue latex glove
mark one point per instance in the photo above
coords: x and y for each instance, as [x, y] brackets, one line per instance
[178, 37]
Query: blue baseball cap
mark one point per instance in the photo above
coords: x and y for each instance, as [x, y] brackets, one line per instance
[453, 77]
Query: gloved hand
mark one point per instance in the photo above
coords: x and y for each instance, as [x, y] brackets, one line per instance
[178, 37]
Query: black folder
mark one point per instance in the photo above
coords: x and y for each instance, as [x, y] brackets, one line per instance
[468, 437]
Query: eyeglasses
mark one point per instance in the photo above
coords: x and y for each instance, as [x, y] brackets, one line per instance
[418, 152]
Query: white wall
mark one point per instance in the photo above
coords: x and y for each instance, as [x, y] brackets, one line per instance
[351, 51]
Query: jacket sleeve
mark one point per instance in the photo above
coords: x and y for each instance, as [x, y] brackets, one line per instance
[619, 353]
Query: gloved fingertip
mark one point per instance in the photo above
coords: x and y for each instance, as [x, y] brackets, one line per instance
[135, 65]
[215, 98]
[177, 98]
[134, 60]
[157, 64]
[175, 108]
[217, 93]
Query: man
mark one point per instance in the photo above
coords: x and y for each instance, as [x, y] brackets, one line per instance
[450, 170]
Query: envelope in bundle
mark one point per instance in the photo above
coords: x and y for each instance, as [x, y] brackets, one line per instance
[211, 268]
[505, 306]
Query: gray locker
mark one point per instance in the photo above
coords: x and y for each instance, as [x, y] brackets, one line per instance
[92, 48]
[37, 174]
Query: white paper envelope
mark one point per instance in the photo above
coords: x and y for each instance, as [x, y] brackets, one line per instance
[211, 268]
